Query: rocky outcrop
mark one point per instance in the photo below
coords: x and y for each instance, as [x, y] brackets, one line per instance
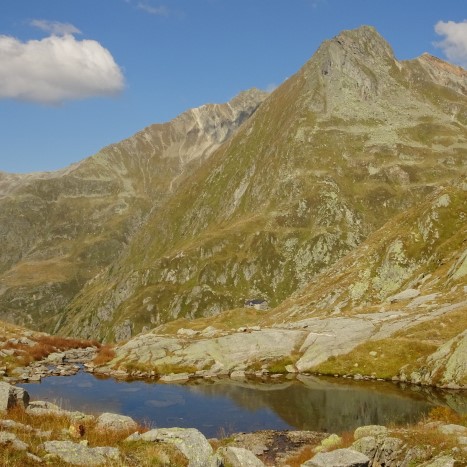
[447, 367]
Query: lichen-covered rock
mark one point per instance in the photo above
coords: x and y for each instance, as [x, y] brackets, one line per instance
[239, 457]
[189, 441]
[115, 422]
[448, 365]
[370, 430]
[79, 454]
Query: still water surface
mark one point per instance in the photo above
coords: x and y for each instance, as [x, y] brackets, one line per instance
[225, 406]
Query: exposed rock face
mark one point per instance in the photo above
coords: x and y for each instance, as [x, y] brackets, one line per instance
[448, 365]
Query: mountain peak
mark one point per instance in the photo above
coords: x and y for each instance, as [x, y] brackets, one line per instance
[365, 41]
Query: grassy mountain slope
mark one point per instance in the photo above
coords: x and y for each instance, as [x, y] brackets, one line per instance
[352, 140]
[60, 229]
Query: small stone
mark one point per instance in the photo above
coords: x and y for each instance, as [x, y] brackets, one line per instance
[175, 378]
[373, 354]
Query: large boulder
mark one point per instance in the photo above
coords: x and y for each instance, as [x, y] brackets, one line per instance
[189, 441]
[79, 454]
[115, 422]
[11, 396]
[339, 458]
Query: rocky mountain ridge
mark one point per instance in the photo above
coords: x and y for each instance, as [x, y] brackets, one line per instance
[353, 139]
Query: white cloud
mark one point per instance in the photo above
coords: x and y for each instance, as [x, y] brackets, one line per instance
[153, 10]
[454, 45]
[55, 27]
[55, 69]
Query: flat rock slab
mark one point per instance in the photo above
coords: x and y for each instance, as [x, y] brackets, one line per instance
[189, 441]
[339, 458]
[78, 454]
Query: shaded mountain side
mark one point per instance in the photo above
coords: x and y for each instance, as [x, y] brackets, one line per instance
[350, 141]
[60, 229]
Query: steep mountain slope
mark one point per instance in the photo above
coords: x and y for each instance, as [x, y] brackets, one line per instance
[344, 322]
[59, 229]
[352, 140]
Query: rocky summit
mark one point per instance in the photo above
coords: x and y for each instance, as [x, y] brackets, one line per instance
[339, 199]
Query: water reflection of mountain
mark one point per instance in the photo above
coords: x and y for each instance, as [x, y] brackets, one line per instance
[321, 405]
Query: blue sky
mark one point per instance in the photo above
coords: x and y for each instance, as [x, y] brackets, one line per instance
[76, 75]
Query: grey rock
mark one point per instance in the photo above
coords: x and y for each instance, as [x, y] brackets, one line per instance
[34, 458]
[339, 458]
[239, 457]
[416, 454]
[133, 437]
[237, 374]
[189, 441]
[115, 422]
[10, 439]
[404, 295]
[442, 461]
[366, 445]
[453, 430]
[11, 396]
[389, 451]
[78, 454]
[175, 378]
[370, 430]
[56, 357]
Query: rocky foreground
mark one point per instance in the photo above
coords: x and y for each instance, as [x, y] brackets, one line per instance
[37, 432]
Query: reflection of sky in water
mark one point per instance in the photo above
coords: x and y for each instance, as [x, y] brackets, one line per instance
[226, 406]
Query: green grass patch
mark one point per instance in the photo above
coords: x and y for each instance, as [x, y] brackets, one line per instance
[391, 355]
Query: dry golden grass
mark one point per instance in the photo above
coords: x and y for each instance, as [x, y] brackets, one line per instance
[105, 354]
[44, 346]
[135, 454]
[296, 460]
